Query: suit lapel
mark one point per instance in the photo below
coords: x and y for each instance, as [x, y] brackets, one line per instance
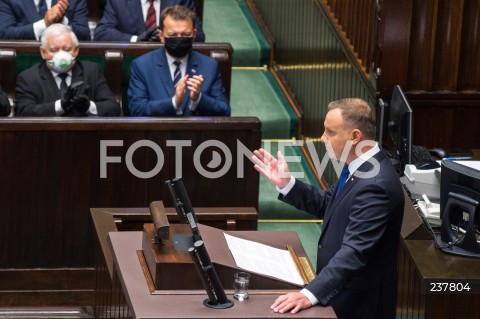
[30, 10]
[192, 69]
[192, 66]
[77, 73]
[136, 17]
[332, 205]
[51, 88]
[163, 70]
[336, 200]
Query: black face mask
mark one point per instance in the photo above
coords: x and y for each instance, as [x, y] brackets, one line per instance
[178, 46]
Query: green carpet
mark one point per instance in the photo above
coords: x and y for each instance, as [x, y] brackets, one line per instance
[255, 93]
[309, 233]
[269, 207]
[231, 21]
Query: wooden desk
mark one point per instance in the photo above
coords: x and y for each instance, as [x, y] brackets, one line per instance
[420, 264]
[141, 304]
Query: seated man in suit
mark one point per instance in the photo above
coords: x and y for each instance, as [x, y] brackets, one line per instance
[137, 20]
[61, 85]
[174, 80]
[4, 104]
[362, 215]
[27, 19]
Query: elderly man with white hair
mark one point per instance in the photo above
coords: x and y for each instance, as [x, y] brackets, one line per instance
[61, 85]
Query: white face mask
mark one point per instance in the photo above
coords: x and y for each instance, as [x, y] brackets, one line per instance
[61, 62]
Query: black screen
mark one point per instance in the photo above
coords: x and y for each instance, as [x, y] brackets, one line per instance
[400, 127]
[460, 179]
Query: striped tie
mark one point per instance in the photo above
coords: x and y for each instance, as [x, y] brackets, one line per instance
[151, 20]
[177, 74]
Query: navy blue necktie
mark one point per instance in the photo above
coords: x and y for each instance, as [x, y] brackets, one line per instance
[42, 8]
[343, 178]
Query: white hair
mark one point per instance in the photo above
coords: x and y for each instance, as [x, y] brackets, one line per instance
[56, 30]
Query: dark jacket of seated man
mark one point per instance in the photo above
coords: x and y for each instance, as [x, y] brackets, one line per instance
[174, 80]
[124, 20]
[61, 85]
[27, 19]
[4, 104]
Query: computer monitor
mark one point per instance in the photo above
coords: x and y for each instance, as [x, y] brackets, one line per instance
[381, 111]
[400, 127]
[460, 209]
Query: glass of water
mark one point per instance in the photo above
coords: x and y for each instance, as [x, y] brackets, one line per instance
[241, 281]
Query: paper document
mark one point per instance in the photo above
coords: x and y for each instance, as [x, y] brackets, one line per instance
[263, 259]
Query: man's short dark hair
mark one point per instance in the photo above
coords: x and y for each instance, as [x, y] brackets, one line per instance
[356, 114]
[177, 12]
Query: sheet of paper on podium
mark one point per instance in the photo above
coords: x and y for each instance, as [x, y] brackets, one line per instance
[264, 259]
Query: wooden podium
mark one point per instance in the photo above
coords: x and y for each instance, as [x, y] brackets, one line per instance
[164, 264]
[188, 303]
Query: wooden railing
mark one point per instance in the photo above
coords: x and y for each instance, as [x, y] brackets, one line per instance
[356, 19]
[312, 57]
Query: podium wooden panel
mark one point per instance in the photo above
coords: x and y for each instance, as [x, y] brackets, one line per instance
[142, 304]
[51, 179]
[165, 264]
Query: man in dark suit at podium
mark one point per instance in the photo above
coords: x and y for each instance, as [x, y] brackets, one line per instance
[362, 216]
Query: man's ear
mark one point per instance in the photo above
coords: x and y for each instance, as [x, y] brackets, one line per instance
[161, 35]
[356, 136]
[42, 53]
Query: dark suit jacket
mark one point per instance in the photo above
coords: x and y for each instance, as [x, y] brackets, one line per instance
[124, 18]
[357, 250]
[150, 89]
[17, 18]
[4, 104]
[36, 90]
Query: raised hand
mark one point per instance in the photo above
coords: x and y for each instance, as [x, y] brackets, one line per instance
[275, 170]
